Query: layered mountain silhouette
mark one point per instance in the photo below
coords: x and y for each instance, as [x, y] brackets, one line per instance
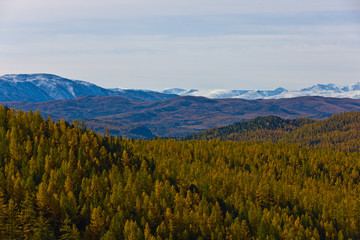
[149, 114]
[181, 116]
[340, 131]
[45, 87]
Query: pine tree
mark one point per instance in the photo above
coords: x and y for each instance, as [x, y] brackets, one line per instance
[27, 216]
[3, 215]
[97, 224]
[132, 231]
[12, 227]
[42, 229]
[68, 231]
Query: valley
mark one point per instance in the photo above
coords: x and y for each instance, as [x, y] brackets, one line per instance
[179, 120]
[181, 116]
[75, 166]
[150, 114]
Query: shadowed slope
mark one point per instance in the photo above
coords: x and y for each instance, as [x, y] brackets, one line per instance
[185, 115]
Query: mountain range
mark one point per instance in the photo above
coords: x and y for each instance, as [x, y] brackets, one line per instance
[45, 87]
[180, 116]
[324, 90]
[340, 131]
[171, 113]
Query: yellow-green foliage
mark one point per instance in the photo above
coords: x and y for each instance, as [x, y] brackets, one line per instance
[339, 132]
[61, 181]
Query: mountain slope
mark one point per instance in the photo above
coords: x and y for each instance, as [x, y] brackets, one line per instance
[182, 116]
[324, 90]
[45, 87]
[260, 129]
[340, 131]
[62, 181]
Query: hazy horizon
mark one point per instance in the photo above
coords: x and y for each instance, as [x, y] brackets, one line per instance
[200, 89]
[189, 44]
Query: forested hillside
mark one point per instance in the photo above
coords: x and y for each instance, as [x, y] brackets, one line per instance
[62, 181]
[341, 131]
[260, 129]
[181, 116]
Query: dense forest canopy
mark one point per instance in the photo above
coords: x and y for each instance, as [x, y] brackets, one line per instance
[340, 132]
[63, 181]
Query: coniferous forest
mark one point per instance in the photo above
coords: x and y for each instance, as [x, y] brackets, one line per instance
[63, 181]
[340, 132]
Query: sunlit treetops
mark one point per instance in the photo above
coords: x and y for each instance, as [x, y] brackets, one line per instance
[341, 131]
[63, 181]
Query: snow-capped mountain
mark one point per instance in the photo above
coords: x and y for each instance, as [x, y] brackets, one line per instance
[44, 87]
[324, 90]
[180, 91]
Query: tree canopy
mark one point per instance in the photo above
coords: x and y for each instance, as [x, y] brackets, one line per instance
[63, 181]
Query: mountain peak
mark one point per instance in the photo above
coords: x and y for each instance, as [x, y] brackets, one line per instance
[44, 86]
[322, 87]
[41, 87]
[29, 77]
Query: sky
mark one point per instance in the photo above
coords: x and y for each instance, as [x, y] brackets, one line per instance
[202, 44]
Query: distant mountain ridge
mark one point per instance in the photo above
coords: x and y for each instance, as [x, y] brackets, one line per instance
[322, 90]
[148, 114]
[45, 87]
[340, 131]
[181, 116]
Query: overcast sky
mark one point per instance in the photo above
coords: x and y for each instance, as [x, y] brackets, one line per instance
[203, 44]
